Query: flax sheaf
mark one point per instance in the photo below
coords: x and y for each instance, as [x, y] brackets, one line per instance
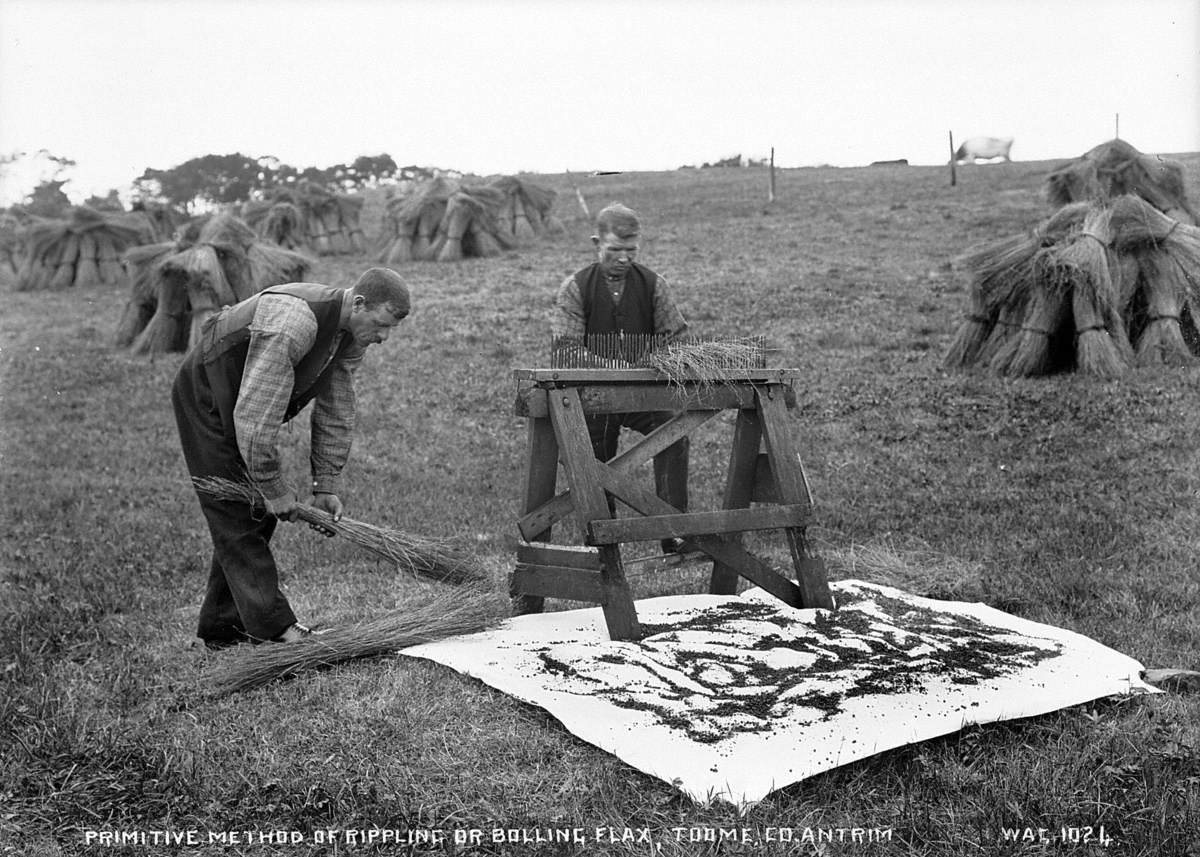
[445, 614]
[433, 559]
[471, 606]
[175, 286]
[1123, 276]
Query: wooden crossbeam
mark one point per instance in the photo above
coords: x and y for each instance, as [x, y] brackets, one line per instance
[583, 376]
[731, 554]
[554, 510]
[616, 530]
[623, 398]
[559, 581]
[571, 556]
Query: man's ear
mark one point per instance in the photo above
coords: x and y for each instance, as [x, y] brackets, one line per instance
[359, 302]
[596, 241]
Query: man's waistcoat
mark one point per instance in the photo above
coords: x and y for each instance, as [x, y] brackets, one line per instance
[225, 341]
[634, 314]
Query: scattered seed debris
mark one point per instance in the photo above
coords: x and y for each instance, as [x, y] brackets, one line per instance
[746, 666]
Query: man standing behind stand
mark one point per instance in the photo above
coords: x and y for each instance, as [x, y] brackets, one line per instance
[615, 294]
[257, 365]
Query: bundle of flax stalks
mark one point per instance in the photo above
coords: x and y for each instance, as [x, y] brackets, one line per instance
[308, 216]
[707, 361]
[1097, 288]
[526, 209]
[443, 615]
[442, 221]
[410, 221]
[433, 559]
[1124, 291]
[161, 220]
[689, 359]
[472, 605]
[176, 286]
[279, 222]
[1082, 268]
[1003, 286]
[12, 239]
[331, 220]
[470, 227]
[1116, 168]
[82, 250]
[1163, 299]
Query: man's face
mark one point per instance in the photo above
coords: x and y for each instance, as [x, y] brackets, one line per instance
[616, 254]
[370, 325]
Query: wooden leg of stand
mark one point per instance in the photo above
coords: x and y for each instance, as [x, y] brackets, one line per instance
[591, 504]
[739, 487]
[792, 487]
[541, 477]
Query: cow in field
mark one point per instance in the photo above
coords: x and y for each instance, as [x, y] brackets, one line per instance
[983, 147]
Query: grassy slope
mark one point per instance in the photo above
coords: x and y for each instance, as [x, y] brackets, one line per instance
[1063, 499]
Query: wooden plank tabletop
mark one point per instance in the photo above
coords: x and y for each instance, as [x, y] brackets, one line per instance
[643, 374]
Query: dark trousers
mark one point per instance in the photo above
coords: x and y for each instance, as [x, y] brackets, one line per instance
[670, 465]
[243, 598]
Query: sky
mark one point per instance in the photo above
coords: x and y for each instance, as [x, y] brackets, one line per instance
[119, 86]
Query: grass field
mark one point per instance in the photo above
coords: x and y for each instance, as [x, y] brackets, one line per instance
[1064, 500]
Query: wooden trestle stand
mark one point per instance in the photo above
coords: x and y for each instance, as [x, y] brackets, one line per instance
[555, 402]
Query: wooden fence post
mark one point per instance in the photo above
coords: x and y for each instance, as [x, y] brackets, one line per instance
[579, 196]
[771, 189]
[953, 174]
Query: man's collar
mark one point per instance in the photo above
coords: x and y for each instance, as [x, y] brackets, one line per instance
[347, 308]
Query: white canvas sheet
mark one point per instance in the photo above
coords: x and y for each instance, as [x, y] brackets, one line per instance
[732, 697]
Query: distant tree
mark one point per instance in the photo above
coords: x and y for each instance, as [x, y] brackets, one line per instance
[319, 175]
[48, 200]
[209, 180]
[111, 201]
[369, 171]
[364, 172]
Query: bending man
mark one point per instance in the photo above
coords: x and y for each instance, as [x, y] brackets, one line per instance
[257, 365]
